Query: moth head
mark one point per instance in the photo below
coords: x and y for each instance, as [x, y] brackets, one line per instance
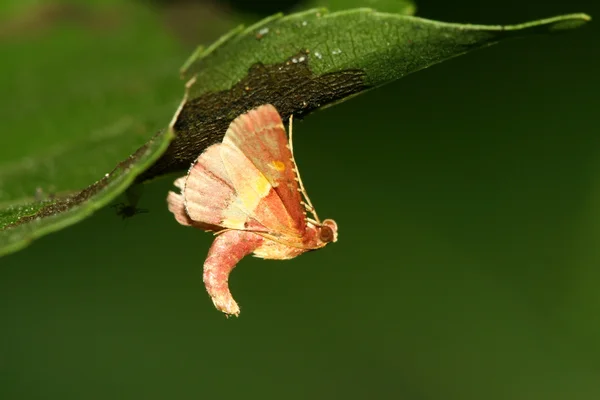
[328, 232]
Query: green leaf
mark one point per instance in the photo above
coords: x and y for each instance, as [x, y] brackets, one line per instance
[24, 223]
[88, 86]
[309, 60]
[121, 85]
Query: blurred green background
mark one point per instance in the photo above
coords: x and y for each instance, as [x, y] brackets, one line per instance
[468, 265]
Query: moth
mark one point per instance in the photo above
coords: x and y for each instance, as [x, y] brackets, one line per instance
[248, 191]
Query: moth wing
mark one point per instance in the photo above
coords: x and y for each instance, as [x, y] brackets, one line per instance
[207, 190]
[261, 137]
[176, 205]
[224, 188]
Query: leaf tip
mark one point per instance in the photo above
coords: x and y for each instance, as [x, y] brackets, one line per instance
[572, 21]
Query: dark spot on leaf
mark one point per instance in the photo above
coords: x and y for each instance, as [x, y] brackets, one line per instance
[290, 86]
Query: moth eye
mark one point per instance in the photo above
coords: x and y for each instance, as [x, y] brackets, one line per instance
[326, 234]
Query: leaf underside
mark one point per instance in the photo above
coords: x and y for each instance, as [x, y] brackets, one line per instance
[298, 63]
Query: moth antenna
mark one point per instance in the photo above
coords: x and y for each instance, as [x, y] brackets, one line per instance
[307, 207]
[310, 207]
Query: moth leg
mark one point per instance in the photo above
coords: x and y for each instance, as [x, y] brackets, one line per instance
[224, 254]
[308, 204]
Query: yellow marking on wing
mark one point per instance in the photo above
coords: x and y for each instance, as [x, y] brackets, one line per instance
[234, 221]
[278, 165]
[252, 193]
[249, 196]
